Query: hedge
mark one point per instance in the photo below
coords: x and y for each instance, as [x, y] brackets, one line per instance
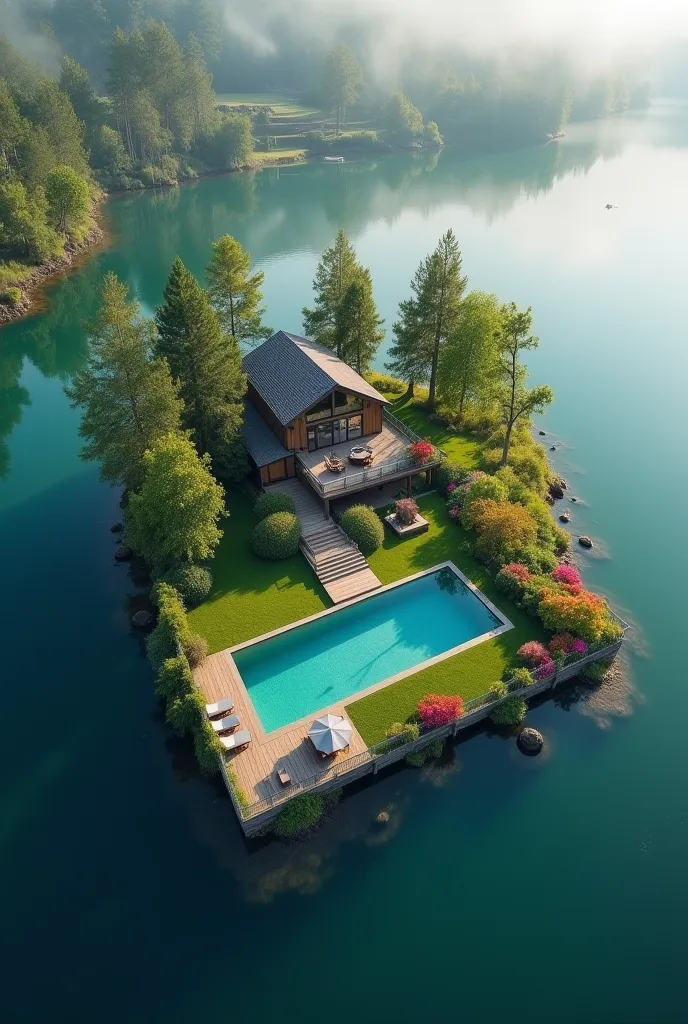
[268, 503]
[277, 536]
[363, 526]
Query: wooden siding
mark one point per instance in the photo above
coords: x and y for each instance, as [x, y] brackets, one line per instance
[296, 432]
[372, 417]
[280, 470]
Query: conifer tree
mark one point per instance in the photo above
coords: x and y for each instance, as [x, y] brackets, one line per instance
[357, 324]
[515, 399]
[428, 318]
[207, 364]
[337, 269]
[128, 398]
[236, 295]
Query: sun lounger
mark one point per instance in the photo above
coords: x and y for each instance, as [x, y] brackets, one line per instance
[226, 723]
[284, 776]
[236, 741]
[220, 707]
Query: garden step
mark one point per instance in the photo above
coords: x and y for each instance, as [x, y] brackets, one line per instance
[339, 574]
[340, 558]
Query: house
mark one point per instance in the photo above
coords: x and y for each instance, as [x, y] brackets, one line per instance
[303, 403]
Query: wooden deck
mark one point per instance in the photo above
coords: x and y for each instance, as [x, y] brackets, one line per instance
[289, 747]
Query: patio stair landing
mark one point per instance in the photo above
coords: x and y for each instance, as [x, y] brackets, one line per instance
[336, 561]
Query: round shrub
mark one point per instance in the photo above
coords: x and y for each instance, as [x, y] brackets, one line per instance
[567, 574]
[207, 748]
[193, 582]
[364, 528]
[417, 759]
[403, 732]
[277, 536]
[406, 510]
[512, 579]
[270, 502]
[300, 813]
[497, 690]
[11, 296]
[196, 649]
[533, 653]
[537, 559]
[487, 487]
[510, 712]
[521, 677]
[436, 709]
[450, 473]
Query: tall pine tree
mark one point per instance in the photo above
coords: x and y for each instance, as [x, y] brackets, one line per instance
[337, 269]
[207, 364]
[428, 318]
[128, 398]
[357, 324]
[236, 294]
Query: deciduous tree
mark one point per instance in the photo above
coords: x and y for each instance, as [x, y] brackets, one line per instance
[467, 362]
[68, 198]
[515, 399]
[129, 399]
[342, 79]
[174, 515]
[236, 294]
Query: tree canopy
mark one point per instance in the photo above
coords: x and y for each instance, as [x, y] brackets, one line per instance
[468, 361]
[338, 268]
[515, 399]
[236, 294]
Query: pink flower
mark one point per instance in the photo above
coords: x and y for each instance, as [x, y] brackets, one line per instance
[567, 574]
[579, 647]
[450, 488]
[455, 512]
[546, 669]
[534, 654]
[439, 709]
[521, 572]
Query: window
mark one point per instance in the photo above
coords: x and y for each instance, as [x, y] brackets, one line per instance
[355, 427]
[321, 411]
[344, 402]
[324, 435]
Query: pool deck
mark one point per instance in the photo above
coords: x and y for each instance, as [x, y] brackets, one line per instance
[289, 747]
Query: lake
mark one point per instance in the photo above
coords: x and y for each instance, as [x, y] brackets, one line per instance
[501, 883]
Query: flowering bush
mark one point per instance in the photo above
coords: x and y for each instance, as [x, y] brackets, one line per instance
[579, 647]
[420, 452]
[455, 513]
[512, 579]
[533, 654]
[450, 487]
[584, 614]
[406, 511]
[545, 670]
[567, 574]
[561, 642]
[439, 709]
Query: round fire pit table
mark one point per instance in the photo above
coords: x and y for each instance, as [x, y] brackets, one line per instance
[360, 454]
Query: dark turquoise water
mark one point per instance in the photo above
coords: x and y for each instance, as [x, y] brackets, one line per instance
[329, 659]
[501, 883]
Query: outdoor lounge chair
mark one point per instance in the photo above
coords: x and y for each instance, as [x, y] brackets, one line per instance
[284, 776]
[237, 740]
[334, 463]
[226, 723]
[220, 707]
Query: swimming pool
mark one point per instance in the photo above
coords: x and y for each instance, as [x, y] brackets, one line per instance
[345, 651]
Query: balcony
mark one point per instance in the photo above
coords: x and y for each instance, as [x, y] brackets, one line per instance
[390, 461]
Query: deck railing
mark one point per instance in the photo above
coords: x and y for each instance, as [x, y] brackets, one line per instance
[379, 755]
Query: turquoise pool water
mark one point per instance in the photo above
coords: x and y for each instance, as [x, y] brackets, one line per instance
[324, 661]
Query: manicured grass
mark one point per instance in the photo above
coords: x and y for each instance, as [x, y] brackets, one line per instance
[459, 447]
[250, 596]
[282, 105]
[469, 674]
[278, 155]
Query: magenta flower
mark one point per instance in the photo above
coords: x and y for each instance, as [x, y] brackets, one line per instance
[546, 669]
[534, 654]
[567, 574]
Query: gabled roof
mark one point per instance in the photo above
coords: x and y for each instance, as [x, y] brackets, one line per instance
[291, 374]
[263, 446]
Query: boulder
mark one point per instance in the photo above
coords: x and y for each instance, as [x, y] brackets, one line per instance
[574, 499]
[530, 741]
[542, 433]
[553, 448]
[556, 491]
[585, 542]
[142, 619]
[565, 517]
[123, 553]
[117, 528]
[562, 483]
[382, 818]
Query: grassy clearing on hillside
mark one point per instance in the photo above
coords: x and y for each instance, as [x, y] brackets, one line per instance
[282, 105]
[469, 674]
[276, 156]
[251, 596]
[459, 447]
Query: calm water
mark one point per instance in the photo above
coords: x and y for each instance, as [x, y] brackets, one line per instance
[331, 658]
[501, 882]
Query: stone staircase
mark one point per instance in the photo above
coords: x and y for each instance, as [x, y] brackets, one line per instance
[336, 561]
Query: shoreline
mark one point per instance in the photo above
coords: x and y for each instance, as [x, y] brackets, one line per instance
[33, 285]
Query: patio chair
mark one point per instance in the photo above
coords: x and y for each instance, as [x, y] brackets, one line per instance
[236, 741]
[220, 707]
[284, 776]
[334, 463]
[225, 724]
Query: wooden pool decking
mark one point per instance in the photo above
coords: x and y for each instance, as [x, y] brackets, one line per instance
[289, 747]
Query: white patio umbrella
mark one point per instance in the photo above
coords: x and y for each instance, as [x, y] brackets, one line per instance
[330, 733]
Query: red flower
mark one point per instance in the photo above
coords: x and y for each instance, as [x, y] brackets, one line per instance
[421, 451]
[439, 709]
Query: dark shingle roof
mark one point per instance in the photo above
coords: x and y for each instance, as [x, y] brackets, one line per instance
[263, 446]
[291, 374]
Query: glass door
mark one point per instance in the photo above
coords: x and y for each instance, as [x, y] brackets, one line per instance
[338, 431]
[311, 440]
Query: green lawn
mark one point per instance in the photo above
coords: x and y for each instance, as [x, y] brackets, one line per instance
[278, 155]
[470, 673]
[459, 447]
[250, 596]
[282, 105]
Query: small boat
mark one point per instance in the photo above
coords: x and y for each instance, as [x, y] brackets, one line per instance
[333, 159]
[555, 135]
